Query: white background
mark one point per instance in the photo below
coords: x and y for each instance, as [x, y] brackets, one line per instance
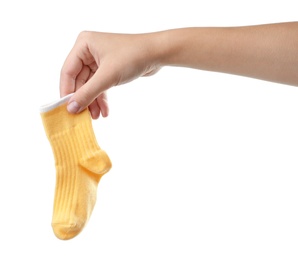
[204, 164]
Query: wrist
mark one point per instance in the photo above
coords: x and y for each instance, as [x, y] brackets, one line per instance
[172, 47]
[163, 47]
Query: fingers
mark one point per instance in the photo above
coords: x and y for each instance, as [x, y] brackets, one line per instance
[77, 66]
[102, 102]
[94, 110]
[99, 106]
[82, 77]
[85, 95]
[69, 72]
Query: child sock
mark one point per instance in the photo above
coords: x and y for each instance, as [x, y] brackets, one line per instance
[79, 162]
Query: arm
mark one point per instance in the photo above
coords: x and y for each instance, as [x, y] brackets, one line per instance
[267, 52]
[99, 61]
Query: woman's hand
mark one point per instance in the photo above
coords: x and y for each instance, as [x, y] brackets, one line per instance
[99, 61]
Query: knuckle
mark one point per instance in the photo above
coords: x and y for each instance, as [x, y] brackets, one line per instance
[84, 35]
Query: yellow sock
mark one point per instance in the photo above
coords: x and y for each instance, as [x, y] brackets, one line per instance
[80, 163]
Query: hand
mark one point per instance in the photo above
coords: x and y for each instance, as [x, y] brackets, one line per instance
[99, 61]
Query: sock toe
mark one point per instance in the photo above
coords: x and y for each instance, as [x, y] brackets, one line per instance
[66, 231]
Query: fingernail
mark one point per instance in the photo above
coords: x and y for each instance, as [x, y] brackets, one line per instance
[73, 107]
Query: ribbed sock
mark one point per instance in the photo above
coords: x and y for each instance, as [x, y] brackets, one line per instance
[79, 162]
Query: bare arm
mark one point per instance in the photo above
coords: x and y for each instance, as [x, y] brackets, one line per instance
[99, 61]
[268, 52]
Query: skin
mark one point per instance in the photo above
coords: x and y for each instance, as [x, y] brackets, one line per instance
[99, 61]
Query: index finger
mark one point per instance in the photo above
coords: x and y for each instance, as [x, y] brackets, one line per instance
[69, 72]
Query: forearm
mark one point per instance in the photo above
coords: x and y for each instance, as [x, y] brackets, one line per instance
[268, 52]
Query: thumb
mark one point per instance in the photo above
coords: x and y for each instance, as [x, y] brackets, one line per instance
[86, 94]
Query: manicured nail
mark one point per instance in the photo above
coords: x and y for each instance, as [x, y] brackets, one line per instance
[73, 107]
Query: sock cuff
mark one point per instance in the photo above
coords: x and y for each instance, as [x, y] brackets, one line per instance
[57, 119]
[50, 106]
